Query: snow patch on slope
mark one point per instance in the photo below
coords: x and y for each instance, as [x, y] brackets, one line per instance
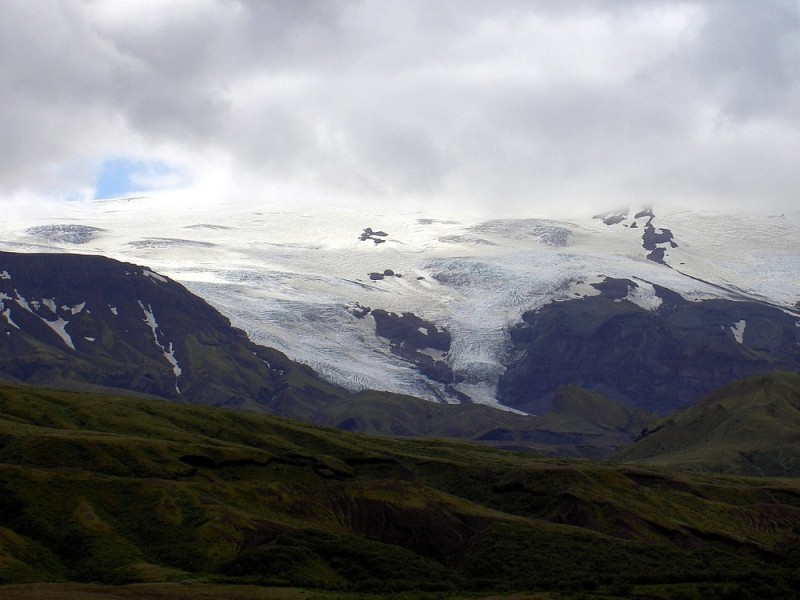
[23, 302]
[60, 327]
[167, 352]
[74, 310]
[644, 296]
[50, 303]
[738, 330]
[156, 276]
[7, 314]
[6, 311]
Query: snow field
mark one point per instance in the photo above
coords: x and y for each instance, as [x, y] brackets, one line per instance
[290, 278]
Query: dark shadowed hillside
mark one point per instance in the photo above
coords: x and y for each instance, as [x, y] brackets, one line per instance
[659, 360]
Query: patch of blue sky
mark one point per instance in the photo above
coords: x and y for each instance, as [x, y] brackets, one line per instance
[121, 177]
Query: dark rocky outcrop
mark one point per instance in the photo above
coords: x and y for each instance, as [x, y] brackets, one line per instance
[409, 336]
[658, 360]
[652, 237]
[655, 241]
[415, 340]
[375, 236]
[375, 276]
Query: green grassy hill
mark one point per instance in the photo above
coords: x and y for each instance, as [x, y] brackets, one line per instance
[750, 427]
[118, 490]
[582, 423]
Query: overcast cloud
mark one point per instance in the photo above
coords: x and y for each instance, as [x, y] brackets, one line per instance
[510, 106]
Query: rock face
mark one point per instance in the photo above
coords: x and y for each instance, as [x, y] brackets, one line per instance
[87, 320]
[659, 360]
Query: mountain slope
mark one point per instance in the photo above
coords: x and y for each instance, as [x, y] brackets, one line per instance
[298, 278]
[749, 427]
[88, 322]
[659, 358]
[73, 319]
[97, 488]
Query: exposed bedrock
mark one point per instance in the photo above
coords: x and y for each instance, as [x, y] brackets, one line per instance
[652, 237]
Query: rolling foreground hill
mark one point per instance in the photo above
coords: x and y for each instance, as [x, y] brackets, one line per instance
[96, 488]
[751, 427]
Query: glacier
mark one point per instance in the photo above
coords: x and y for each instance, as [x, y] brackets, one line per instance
[291, 276]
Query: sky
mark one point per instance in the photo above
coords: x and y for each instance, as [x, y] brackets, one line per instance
[506, 106]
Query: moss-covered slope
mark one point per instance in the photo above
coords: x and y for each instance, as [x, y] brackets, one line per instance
[98, 488]
[750, 427]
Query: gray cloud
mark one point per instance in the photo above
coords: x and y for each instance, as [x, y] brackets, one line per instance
[517, 106]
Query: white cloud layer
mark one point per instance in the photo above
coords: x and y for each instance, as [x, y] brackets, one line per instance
[513, 107]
